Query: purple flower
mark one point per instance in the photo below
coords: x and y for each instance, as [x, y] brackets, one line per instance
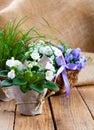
[73, 58]
[76, 53]
[68, 58]
[81, 63]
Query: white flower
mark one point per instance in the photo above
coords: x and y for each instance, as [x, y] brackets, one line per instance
[10, 62]
[13, 62]
[45, 50]
[49, 75]
[49, 66]
[11, 74]
[35, 55]
[48, 50]
[42, 50]
[57, 52]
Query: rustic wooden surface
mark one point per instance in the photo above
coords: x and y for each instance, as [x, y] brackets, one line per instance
[59, 113]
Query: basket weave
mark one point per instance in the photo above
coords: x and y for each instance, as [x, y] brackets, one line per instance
[72, 77]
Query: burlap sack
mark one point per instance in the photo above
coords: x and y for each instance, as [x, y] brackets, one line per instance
[29, 103]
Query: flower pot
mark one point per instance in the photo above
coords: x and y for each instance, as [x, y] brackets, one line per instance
[29, 103]
[6, 94]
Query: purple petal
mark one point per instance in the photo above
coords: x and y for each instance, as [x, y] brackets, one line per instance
[76, 53]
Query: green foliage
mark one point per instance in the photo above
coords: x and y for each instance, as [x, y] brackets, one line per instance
[3, 73]
[6, 83]
[51, 85]
[13, 41]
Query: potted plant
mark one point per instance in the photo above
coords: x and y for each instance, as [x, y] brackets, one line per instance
[13, 42]
[32, 78]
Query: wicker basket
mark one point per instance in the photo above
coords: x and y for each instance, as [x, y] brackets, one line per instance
[72, 77]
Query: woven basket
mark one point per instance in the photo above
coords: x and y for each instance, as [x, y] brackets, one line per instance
[72, 77]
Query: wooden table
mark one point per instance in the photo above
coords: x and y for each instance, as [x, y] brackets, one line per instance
[59, 113]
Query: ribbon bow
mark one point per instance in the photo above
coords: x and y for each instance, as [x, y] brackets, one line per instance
[62, 70]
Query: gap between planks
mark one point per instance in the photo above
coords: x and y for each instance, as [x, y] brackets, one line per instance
[71, 113]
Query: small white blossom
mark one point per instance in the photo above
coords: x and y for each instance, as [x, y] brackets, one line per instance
[57, 52]
[48, 51]
[42, 50]
[35, 55]
[49, 75]
[11, 74]
[10, 62]
[13, 62]
[49, 66]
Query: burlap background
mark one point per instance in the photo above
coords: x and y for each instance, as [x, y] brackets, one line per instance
[73, 18]
[73, 21]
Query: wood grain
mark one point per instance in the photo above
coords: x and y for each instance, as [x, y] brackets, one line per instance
[40, 122]
[7, 115]
[71, 113]
[87, 93]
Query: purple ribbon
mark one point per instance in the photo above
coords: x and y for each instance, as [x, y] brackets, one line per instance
[62, 70]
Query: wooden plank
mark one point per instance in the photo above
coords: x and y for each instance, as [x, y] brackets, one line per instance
[87, 92]
[71, 113]
[40, 122]
[7, 110]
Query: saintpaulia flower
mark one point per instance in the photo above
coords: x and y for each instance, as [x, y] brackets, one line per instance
[76, 53]
[11, 63]
[81, 63]
[49, 75]
[74, 59]
[35, 55]
[11, 74]
[49, 66]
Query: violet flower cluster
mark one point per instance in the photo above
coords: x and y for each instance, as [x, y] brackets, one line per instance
[74, 59]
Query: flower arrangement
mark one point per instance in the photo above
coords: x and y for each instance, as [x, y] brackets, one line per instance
[33, 68]
[70, 65]
[36, 72]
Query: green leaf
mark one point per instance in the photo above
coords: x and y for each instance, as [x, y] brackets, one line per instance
[38, 77]
[35, 68]
[18, 81]
[5, 83]
[50, 85]
[37, 88]
[23, 88]
[3, 73]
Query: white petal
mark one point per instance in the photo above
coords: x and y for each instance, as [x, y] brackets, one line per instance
[49, 75]
[11, 74]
